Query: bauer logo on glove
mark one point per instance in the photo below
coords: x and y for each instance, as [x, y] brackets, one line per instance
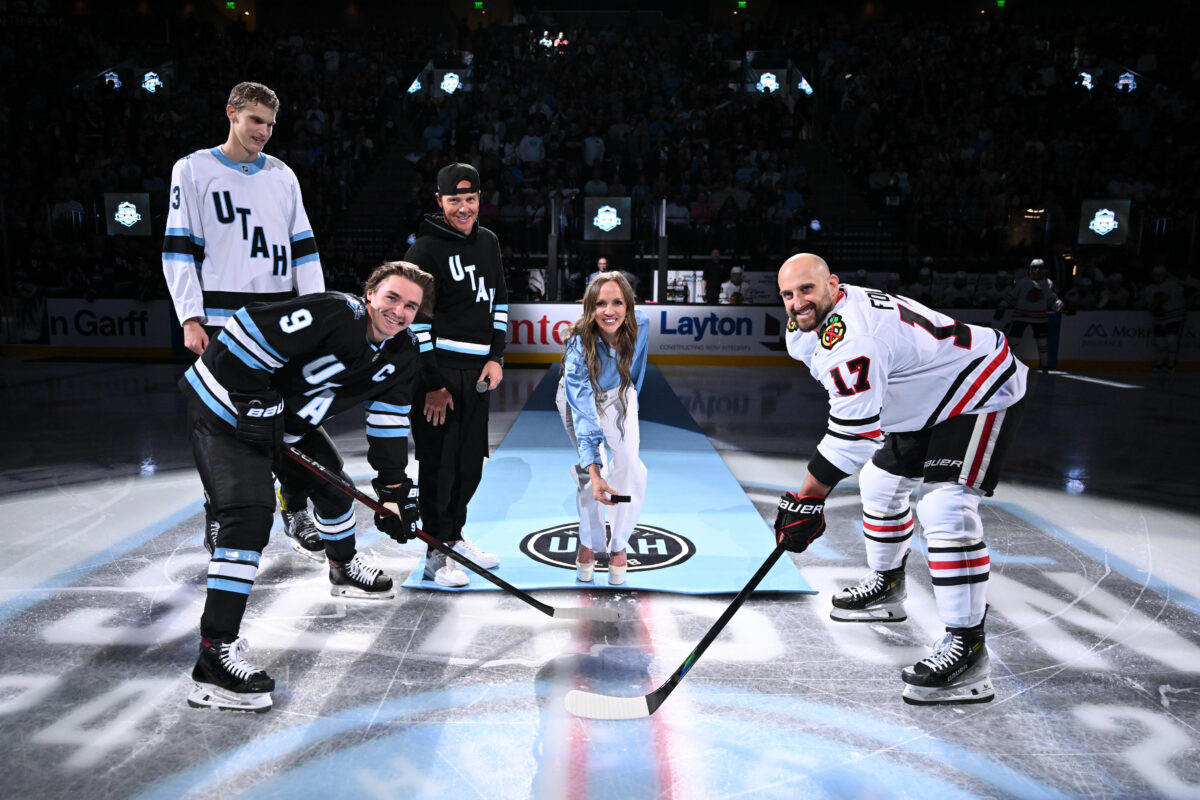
[799, 522]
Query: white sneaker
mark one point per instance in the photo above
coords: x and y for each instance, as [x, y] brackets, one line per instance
[444, 571]
[467, 548]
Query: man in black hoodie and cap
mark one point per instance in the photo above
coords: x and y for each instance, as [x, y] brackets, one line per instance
[462, 353]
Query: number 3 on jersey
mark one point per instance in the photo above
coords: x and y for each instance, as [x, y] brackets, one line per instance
[859, 367]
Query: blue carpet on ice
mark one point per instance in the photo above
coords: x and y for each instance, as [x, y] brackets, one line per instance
[693, 505]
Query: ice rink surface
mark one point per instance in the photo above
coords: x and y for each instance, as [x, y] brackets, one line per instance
[1094, 626]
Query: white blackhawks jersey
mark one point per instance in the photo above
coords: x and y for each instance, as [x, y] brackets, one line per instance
[892, 365]
[236, 233]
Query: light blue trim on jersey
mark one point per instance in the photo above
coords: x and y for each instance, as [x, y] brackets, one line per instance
[230, 586]
[225, 313]
[420, 327]
[308, 259]
[301, 236]
[236, 554]
[242, 353]
[254, 333]
[500, 326]
[500, 307]
[253, 168]
[207, 398]
[388, 408]
[186, 258]
[387, 433]
[185, 232]
[463, 347]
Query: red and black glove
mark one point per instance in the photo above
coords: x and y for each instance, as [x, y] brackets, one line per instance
[800, 521]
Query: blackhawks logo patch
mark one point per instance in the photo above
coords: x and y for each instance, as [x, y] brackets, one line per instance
[792, 327]
[833, 331]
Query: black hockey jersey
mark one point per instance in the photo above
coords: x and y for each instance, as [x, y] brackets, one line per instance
[314, 351]
[470, 320]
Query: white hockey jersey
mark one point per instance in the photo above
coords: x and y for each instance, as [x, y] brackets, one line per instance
[236, 233]
[892, 365]
[1033, 300]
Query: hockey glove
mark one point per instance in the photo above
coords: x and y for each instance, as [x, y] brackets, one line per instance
[799, 522]
[401, 500]
[259, 418]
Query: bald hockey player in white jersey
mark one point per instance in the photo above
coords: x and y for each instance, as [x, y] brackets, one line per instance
[914, 397]
[236, 234]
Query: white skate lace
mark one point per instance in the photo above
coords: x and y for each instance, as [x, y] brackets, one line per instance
[948, 650]
[868, 586]
[303, 526]
[361, 572]
[232, 660]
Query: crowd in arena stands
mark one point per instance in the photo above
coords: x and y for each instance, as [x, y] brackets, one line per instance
[71, 136]
[946, 125]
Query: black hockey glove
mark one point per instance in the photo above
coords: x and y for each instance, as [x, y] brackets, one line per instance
[799, 522]
[401, 500]
[259, 418]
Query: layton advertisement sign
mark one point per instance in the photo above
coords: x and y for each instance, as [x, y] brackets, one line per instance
[678, 334]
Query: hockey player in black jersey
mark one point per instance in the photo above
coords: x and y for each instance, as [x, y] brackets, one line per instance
[462, 349]
[272, 376]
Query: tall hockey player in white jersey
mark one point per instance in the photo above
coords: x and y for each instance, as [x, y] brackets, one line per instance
[237, 233]
[272, 376]
[914, 397]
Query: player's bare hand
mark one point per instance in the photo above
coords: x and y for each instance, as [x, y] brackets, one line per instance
[493, 373]
[194, 336]
[437, 405]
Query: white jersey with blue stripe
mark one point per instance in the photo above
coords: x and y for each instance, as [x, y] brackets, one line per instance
[236, 233]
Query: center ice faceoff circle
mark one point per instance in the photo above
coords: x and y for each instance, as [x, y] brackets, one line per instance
[650, 547]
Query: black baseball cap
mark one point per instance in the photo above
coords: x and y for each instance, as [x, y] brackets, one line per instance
[451, 175]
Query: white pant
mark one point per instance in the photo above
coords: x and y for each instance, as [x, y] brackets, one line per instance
[621, 467]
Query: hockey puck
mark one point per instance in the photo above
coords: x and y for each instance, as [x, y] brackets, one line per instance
[481, 387]
[619, 498]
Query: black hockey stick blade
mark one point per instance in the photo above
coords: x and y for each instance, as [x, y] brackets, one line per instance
[603, 706]
[594, 613]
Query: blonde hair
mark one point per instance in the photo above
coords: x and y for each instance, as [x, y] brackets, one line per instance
[250, 92]
[588, 332]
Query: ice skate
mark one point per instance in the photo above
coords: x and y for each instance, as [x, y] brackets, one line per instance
[303, 534]
[226, 681]
[467, 548]
[958, 671]
[211, 529]
[442, 570]
[356, 579]
[878, 597]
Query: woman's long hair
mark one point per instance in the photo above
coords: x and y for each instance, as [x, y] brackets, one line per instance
[588, 332]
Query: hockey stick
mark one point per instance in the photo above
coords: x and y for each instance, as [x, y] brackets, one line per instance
[597, 613]
[603, 706]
